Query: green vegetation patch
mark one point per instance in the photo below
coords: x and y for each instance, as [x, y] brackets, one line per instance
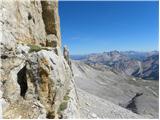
[62, 106]
[66, 98]
[36, 48]
[68, 91]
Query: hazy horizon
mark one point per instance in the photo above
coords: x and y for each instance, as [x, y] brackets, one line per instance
[93, 27]
[115, 50]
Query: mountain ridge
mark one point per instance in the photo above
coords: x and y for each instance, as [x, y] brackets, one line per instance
[131, 63]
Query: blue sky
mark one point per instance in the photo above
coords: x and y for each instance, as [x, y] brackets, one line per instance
[92, 27]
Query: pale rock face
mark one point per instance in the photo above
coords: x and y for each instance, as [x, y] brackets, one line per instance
[72, 110]
[22, 22]
[48, 78]
[52, 85]
[29, 22]
[51, 40]
[22, 49]
[66, 54]
[33, 84]
[10, 68]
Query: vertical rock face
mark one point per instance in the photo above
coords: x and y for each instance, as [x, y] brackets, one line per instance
[30, 22]
[22, 22]
[36, 80]
[51, 18]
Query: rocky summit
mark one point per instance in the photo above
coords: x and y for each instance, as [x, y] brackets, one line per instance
[36, 79]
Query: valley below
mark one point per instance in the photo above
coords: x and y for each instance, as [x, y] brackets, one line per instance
[104, 93]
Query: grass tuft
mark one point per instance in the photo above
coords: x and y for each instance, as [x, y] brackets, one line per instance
[36, 48]
[62, 106]
[66, 97]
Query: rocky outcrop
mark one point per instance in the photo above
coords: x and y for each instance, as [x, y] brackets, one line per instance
[22, 23]
[29, 22]
[51, 19]
[36, 80]
[132, 103]
[66, 56]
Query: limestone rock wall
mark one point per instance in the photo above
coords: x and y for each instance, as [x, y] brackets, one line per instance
[29, 21]
[36, 80]
[51, 18]
[22, 22]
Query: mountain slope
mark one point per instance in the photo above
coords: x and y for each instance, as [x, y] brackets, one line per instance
[95, 107]
[118, 88]
[150, 68]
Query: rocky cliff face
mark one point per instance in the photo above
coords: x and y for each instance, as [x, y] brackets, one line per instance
[36, 80]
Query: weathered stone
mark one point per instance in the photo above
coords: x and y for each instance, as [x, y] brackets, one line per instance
[66, 53]
[51, 18]
[72, 110]
[52, 86]
[66, 56]
[51, 40]
[32, 84]
[23, 22]
[22, 49]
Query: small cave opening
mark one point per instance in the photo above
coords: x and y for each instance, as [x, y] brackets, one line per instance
[22, 81]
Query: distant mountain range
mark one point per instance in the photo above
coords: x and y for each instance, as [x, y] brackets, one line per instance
[144, 65]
